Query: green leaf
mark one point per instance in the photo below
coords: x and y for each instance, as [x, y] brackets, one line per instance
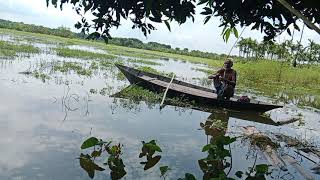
[289, 32]
[94, 35]
[235, 31]
[114, 149]
[227, 34]
[239, 174]
[148, 4]
[189, 176]
[88, 165]
[206, 147]
[206, 19]
[118, 174]
[89, 143]
[164, 170]
[152, 162]
[203, 165]
[96, 153]
[153, 147]
[168, 25]
[262, 168]
[78, 25]
[224, 29]
[206, 11]
[296, 27]
[202, 2]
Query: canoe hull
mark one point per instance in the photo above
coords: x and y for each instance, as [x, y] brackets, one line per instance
[134, 77]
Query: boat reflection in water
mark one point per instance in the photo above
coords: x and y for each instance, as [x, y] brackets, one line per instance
[216, 113]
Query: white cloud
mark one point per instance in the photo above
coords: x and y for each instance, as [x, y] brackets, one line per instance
[191, 35]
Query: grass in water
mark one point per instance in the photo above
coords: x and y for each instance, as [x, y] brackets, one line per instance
[137, 94]
[154, 71]
[74, 53]
[40, 75]
[143, 61]
[8, 49]
[205, 70]
[269, 77]
[72, 66]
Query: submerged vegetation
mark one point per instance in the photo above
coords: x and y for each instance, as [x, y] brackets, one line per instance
[9, 49]
[81, 54]
[146, 62]
[268, 77]
[154, 71]
[72, 66]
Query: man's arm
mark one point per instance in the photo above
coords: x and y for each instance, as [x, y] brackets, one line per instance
[214, 75]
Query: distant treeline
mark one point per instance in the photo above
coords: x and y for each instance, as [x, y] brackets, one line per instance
[248, 48]
[287, 50]
[127, 42]
[19, 26]
[136, 43]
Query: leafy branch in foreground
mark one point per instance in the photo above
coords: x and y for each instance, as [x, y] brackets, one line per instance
[141, 13]
[269, 16]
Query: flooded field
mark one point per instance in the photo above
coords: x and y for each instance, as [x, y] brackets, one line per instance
[58, 102]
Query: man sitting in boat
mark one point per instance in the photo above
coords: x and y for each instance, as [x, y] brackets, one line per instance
[225, 80]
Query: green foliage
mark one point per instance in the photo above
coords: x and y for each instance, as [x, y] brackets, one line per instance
[66, 52]
[273, 78]
[287, 50]
[143, 61]
[188, 176]
[72, 66]
[114, 162]
[154, 71]
[108, 15]
[88, 165]
[214, 164]
[226, 32]
[91, 142]
[205, 70]
[94, 65]
[40, 75]
[239, 174]
[10, 50]
[164, 170]
[137, 94]
[100, 147]
[148, 150]
[272, 18]
[61, 31]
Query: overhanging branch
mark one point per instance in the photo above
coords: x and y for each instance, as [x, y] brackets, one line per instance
[299, 15]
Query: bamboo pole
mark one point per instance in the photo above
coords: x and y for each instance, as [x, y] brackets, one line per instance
[165, 93]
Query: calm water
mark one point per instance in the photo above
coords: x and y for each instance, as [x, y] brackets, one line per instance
[43, 124]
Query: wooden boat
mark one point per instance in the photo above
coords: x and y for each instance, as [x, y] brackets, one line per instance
[198, 94]
[215, 113]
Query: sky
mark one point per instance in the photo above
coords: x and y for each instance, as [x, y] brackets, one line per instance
[195, 36]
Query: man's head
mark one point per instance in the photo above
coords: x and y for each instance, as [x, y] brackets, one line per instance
[228, 64]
